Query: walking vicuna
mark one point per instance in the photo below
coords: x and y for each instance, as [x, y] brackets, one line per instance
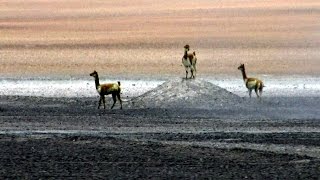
[106, 89]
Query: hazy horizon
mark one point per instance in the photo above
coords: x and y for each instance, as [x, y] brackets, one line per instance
[57, 37]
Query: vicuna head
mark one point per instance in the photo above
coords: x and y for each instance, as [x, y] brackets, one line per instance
[241, 67]
[187, 47]
[94, 74]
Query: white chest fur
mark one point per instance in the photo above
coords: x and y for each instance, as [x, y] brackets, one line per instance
[186, 62]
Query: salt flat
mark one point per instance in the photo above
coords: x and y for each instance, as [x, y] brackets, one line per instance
[295, 86]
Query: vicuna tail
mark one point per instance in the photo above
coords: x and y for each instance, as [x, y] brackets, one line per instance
[119, 83]
[261, 88]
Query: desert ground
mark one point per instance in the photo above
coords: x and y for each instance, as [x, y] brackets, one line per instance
[180, 129]
[169, 127]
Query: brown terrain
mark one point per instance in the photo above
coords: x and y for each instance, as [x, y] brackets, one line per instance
[54, 37]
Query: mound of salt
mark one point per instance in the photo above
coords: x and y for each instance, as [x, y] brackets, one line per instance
[181, 93]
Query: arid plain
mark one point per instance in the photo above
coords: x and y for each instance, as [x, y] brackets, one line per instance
[42, 37]
[194, 129]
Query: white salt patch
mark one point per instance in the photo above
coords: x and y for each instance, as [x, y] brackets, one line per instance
[275, 86]
[70, 88]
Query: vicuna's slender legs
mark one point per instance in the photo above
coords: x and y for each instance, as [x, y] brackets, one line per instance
[260, 91]
[186, 73]
[114, 97]
[256, 90]
[118, 95]
[192, 70]
[99, 102]
[250, 92]
[104, 102]
[102, 98]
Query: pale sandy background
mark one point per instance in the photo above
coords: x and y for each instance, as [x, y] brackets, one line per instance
[126, 37]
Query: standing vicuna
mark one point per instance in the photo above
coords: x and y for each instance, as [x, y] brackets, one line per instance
[105, 89]
[251, 83]
[189, 61]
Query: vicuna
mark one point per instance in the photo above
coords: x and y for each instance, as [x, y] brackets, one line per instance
[251, 83]
[189, 61]
[106, 89]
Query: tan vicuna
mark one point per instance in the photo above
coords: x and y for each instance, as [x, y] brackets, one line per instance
[106, 89]
[189, 61]
[251, 83]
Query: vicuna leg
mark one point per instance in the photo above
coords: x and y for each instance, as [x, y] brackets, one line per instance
[260, 91]
[186, 73]
[104, 102]
[99, 102]
[114, 97]
[192, 72]
[256, 90]
[250, 91]
[118, 95]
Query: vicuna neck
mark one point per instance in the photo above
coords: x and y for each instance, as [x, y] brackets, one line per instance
[244, 75]
[185, 56]
[96, 80]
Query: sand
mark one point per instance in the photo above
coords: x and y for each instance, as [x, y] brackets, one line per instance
[47, 38]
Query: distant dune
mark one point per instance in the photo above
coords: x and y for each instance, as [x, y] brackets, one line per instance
[54, 37]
